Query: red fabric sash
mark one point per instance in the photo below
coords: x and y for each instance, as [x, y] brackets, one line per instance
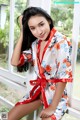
[39, 87]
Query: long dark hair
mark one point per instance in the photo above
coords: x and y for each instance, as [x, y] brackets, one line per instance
[28, 38]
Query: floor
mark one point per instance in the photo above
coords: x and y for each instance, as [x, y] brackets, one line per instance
[67, 117]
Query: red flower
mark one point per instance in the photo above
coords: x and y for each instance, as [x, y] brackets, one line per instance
[67, 62]
[69, 73]
[57, 46]
[52, 87]
[69, 43]
[48, 68]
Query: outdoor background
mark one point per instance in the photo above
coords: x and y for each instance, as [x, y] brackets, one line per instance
[62, 15]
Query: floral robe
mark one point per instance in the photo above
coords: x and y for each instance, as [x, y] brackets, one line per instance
[55, 66]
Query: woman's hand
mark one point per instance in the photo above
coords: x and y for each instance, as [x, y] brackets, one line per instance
[45, 113]
[17, 51]
[20, 23]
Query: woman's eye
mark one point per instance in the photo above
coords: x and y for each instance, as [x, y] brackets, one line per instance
[41, 24]
[32, 28]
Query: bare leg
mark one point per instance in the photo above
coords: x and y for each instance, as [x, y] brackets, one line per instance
[20, 111]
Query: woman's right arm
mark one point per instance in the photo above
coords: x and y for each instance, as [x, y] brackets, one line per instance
[17, 51]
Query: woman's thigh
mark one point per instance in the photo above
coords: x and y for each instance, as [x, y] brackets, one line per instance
[19, 111]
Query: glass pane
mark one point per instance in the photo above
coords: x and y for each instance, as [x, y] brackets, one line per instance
[12, 95]
[76, 87]
[19, 7]
[5, 26]
[62, 15]
[4, 33]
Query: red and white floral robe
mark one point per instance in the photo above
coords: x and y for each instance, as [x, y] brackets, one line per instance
[54, 67]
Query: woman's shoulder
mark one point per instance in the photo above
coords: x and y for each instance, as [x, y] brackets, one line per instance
[60, 37]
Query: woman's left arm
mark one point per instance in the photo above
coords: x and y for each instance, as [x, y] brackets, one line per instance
[56, 99]
[64, 70]
[58, 94]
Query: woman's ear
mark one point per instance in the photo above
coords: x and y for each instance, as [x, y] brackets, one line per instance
[49, 22]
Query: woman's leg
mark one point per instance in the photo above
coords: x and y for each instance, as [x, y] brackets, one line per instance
[20, 111]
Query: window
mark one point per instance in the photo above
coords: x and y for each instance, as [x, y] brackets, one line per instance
[62, 15]
[66, 21]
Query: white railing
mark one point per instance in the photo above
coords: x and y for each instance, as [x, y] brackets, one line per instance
[17, 82]
[8, 80]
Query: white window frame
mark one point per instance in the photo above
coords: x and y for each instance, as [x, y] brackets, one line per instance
[17, 81]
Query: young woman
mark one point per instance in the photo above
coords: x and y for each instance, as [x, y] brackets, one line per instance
[50, 53]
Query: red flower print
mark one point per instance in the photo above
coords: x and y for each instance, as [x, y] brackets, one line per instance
[48, 68]
[69, 43]
[67, 62]
[69, 73]
[52, 87]
[57, 46]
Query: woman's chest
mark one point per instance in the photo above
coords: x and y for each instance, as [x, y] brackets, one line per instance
[42, 50]
[44, 55]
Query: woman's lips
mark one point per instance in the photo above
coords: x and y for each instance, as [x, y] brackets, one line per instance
[42, 36]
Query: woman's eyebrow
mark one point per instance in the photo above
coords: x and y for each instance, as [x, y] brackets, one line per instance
[38, 24]
[41, 22]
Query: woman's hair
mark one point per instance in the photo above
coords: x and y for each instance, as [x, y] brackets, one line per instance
[28, 38]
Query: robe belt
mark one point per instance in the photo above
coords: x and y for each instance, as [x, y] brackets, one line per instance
[39, 87]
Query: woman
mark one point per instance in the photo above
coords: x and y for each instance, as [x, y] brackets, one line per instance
[50, 53]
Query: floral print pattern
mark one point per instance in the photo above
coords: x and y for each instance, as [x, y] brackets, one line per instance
[56, 63]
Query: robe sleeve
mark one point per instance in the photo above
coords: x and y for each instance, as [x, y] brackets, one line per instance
[64, 67]
[26, 56]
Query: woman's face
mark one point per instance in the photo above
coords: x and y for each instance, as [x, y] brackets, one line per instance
[39, 27]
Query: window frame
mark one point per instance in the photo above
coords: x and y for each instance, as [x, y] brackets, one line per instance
[13, 79]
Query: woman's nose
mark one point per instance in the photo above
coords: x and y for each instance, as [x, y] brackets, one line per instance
[39, 32]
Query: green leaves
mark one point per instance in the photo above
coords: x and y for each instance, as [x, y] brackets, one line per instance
[63, 13]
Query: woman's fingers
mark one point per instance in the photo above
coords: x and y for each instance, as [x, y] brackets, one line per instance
[44, 115]
[20, 22]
